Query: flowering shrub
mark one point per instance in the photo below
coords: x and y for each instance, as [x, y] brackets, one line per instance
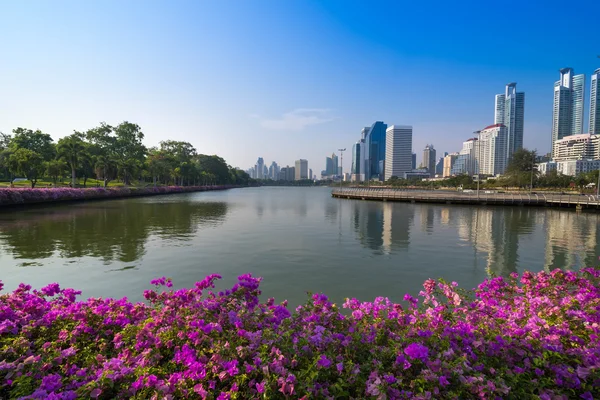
[533, 338]
[11, 196]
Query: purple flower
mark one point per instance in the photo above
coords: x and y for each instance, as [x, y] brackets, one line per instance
[443, 381]
[260, 387]
[323, 362]
[51, 289]
[417, 351]
[340, 367]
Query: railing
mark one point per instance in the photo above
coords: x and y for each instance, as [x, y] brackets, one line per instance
[567, 200]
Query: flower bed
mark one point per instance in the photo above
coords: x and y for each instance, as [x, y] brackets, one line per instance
[41, 195]
[537, 338]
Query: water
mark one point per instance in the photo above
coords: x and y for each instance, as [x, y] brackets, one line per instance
[298, 239]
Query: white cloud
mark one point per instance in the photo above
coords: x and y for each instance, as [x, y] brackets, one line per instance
[297, 119]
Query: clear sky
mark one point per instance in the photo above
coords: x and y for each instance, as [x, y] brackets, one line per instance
[287, 79]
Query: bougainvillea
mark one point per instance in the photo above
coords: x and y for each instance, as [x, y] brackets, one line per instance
[533, 336]
[29, 196]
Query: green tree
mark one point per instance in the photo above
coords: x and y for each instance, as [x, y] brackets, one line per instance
[102, 144]
[55, 169]
[27, 163]
[72, 149]
[215, 166]
[519, 169]
[129, 150]
[35, 141]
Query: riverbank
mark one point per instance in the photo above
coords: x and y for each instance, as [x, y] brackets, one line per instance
[24, 196]
[482, 197]
[529, 336]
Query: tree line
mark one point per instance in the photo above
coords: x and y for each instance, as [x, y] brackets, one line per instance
[110, 153]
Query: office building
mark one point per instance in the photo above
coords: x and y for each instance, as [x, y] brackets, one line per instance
[567, 113]
[398, 151]
[449, 161]
[439, 166]
[310, 174]
[301, 170]
[510, 112]
[429, 159]
[546, 166]
[595, 103]
[491, 150]
[576, 167]
[577, 147]
[466, 162]
[414, 160]
[375, 151]
[274, 171]
[260, 168]
[355, 166]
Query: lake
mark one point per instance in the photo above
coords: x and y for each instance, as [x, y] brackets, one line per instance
[298, 239]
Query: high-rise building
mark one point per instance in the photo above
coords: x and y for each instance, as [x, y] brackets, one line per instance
[301, 170]
[375, 151]
[260, 168]
[274, 171]
[328, 166]
[510, 112]
[414, 160]
[595, 103]
[439, 166]
[466, 162]
[398, 151]
[567, 113]
[429, 159]
[491, 150]
[310, 174]
[355, 166]
[334, 164]
[449, 161]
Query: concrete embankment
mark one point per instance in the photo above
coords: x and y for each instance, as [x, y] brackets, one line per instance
[579, 202]
[18, 197]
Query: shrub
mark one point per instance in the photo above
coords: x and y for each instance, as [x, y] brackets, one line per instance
[533, 337]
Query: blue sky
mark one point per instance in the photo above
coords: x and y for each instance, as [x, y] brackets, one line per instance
[286, 79]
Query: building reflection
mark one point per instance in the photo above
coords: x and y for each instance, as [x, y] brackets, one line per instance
[571, 240]
[106, 230]
[383, 227]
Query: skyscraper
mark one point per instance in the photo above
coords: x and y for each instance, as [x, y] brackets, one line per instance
[510, 112]
[334, 164]
[491, 150]
[595, 103]
[375, 152]
[328, 166]
[260, 168]
[301, 169]
[567, 113]
[355, 167]
[274, 171]
[429, 159]
[414, 160]
[398, 151]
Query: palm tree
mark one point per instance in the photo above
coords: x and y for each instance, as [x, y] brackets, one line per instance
[72, 150]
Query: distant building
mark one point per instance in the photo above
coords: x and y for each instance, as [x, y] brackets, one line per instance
[491, 150]
[274, 171]
[398, 151]
[466, 162]
[510, 112]
[417, 174]
[544, 167]
[595, 103]
[567, 113]
[414, 160]
[439, 166]
[429, 159]
[301, 169]
[356, 154]
[375, 151]
[260, 168]
[449, 161]
[310, 174]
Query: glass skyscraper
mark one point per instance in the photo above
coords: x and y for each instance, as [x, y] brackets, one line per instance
[567, 113]
[595, 103]
[375, 142]
[510, 112]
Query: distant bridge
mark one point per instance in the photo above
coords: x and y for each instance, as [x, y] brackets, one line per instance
[579, 202]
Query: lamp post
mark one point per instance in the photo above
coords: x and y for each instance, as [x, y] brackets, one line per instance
[341, 164]
[532, 166]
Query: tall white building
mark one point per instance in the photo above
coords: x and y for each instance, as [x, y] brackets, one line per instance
[301, 169]
[510, 112]
[567, 113]
[491, 150]
[398, 151]
[595, 103]
[260, 168]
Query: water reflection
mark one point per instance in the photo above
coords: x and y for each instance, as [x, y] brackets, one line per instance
[117, 230]
[499, 237]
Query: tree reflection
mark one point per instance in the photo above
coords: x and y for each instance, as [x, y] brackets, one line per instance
[116, 230]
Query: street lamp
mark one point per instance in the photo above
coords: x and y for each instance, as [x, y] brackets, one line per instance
[532, 167]
[342, 164]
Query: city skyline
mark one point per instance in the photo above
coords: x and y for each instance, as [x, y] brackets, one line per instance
[189, 84]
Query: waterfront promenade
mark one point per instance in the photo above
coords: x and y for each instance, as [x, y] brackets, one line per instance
[480, 197]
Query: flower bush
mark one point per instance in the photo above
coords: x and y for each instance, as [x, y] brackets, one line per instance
[533, 336]
[13, 196]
